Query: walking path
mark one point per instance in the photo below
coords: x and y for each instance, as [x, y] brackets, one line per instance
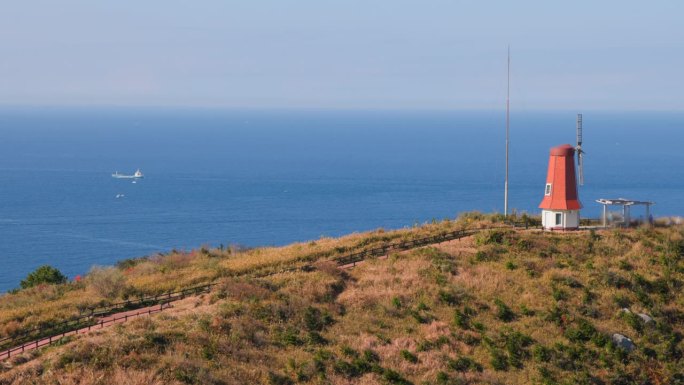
[347, 262]
[101, 324]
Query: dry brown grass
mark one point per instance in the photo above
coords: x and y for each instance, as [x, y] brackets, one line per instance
[421, 315]
[163, 273]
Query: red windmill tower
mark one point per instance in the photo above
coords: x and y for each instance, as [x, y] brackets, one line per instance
[561, 205]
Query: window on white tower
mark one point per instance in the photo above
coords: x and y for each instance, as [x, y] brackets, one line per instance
[559, 219]
[547, 191]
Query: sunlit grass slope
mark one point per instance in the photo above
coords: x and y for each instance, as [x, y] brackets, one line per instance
[501, 307]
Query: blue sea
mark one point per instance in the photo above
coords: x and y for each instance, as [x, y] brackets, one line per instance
[253, 177]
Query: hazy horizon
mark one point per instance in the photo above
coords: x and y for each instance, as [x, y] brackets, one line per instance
[384, 55]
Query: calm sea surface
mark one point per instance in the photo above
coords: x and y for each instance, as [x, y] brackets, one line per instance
[275, 177]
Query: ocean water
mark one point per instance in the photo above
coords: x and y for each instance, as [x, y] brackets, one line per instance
[274, 177]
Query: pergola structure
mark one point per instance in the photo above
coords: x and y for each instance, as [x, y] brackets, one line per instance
[626, 204]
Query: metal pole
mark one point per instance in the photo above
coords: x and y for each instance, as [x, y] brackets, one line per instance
[508, 93]
[605, 215]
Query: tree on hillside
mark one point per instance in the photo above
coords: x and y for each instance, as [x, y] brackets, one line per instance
[44, 274]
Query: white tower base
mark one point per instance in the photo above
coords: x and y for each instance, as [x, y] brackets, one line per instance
[560, 219]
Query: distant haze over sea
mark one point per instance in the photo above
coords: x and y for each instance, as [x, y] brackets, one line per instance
[275, 177]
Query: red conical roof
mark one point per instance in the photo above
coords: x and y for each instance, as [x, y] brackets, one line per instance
[561, 177]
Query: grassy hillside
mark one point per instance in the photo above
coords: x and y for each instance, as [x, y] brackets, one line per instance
[501, 307]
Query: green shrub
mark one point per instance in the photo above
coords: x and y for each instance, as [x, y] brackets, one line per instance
[624, 265]
[469, 339]
[516, 344]
[614, 279]
[503, 312]
[43, 275]
[315, 338]
[588, 296]
[557, 315]
[315, 320]
[621, 300]
[370, 356]
[464, 364]
[426, 345]
[290, 336]
[448, 297]
[490, 237]
[498, 360]
[487, 254]
[524, 310]
[346, 369]
[408, 356]
[360, 365]
[393, 377]
[442, 379]
[546, 376]
[462, 319]
[278, 379]
[349, 352]
[559, 294]
[583, 332]
[541, 353]
[600, 340]
[634, 321]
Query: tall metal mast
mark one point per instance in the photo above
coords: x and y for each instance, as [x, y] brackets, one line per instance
[580, 152]
[508, 93]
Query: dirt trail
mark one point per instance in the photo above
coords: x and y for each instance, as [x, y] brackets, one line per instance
[102, 323]
[459, 245]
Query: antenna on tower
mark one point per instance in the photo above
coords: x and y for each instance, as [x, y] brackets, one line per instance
[508, 92]
[580, 152]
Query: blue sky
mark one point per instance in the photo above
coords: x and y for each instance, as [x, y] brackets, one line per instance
[352, 54]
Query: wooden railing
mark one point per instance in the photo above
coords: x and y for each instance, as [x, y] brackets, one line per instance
[86, 320]
[42, 336]
[353, 259]
[145, 301]
[49, 340]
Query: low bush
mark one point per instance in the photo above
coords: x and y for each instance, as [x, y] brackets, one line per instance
[582, 331]
[503, 312]
[498, 360]
[449, 297]
[408, 356]
[43, 275]
[516, 344]
[109, 282]
[393, 377]
[464, 364]
[462, 319]
[360, 365]
[489, 237]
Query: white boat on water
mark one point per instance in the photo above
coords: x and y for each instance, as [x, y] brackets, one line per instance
[137, 175]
